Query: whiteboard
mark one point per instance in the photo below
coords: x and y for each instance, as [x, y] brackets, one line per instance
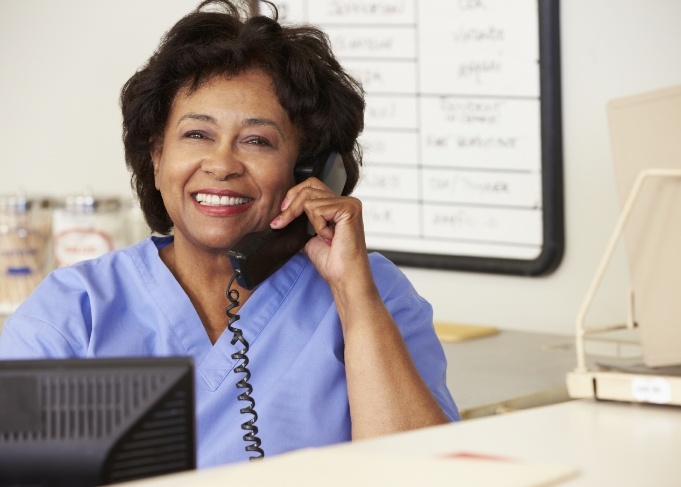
[462, 141]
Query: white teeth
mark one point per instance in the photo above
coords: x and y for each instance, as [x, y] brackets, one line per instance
[215, 200]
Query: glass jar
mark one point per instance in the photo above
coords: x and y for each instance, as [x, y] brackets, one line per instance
[136, 228]
[25, 228]
[86, 227]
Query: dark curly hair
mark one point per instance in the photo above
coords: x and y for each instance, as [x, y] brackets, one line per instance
[321, 99]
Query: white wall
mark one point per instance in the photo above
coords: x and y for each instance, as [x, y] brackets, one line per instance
[62, 63]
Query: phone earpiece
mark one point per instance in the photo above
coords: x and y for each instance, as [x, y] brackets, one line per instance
[327, 167]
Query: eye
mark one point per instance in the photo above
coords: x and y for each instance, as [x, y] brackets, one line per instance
[194, 134]
[259, 141]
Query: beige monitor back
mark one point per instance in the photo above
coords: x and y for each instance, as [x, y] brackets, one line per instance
[645, 133]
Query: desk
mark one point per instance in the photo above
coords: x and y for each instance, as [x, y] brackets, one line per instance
[508, 371]
[610, 444]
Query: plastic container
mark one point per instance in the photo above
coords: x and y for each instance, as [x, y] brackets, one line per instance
[25, 229]
[86, 227]
[136, 228]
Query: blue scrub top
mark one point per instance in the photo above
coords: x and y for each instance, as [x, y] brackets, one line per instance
[127, 303]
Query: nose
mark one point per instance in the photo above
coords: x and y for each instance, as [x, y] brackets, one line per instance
[223, 164]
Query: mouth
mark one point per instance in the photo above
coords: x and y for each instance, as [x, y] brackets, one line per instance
[206, 199]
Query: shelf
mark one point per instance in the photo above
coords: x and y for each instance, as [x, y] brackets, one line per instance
[620, 386]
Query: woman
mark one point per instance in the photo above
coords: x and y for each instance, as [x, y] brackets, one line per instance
[341, 346]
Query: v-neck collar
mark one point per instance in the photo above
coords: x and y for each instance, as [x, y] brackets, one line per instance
[213, 361]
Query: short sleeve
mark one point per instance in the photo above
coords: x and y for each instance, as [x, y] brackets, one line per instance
[414, 317]
[51, 323]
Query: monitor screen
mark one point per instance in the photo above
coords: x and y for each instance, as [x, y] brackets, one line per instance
[88, 422]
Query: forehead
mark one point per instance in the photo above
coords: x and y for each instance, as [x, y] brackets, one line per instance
[250, 87]
[247, 98]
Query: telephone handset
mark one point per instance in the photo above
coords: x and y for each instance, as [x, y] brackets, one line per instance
[255, 257]
[259, 254]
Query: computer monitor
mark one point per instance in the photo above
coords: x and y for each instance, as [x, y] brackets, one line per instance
[88, 422]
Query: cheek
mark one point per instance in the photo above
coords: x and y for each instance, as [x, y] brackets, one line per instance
[169, 173]
[276, 183]
[282, 185]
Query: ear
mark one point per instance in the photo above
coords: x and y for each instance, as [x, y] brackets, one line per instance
[156, 151]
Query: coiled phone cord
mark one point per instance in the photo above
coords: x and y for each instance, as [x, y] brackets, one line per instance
[248, 426]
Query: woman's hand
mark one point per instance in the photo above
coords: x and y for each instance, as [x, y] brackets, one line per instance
[338, 251]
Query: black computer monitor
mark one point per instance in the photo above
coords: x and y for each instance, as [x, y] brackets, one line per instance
[88, 422]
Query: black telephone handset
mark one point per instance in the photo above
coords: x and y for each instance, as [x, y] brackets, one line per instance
[259, 254]
[255, 257]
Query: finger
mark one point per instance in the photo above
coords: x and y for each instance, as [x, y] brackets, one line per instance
[328, 215]
[322, 215]
[305, 186]
[301, 201]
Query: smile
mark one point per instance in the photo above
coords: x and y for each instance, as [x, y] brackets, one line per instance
[216, 200]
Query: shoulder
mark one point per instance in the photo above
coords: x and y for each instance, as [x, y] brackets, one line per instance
[390, 280]
[64, 306]
[412, 313]
[71, 291]
[111, 267]
[386, 271]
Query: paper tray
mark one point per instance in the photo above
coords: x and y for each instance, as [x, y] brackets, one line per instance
[632, 385]
[619, 386]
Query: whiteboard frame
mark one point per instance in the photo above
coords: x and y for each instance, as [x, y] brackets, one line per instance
[553, 233]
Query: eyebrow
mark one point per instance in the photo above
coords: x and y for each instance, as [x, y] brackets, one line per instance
[262, 121]
[198, 116]
[245, 122]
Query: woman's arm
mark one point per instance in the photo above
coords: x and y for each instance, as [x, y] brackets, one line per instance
[386, 392]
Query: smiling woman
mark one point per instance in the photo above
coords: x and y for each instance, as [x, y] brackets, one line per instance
[214, 126]
[228, 141]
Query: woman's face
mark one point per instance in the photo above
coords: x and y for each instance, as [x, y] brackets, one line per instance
[226, 159]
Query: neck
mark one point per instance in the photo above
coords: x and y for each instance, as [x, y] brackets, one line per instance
[204, 276]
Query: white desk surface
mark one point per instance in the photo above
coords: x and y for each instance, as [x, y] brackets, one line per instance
[607, 444]
[610, 443]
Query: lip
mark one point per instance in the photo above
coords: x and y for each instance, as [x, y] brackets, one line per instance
[221, 211]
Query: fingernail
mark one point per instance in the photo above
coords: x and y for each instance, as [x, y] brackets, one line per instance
[275, 222]
[284, 204]
[328, 241]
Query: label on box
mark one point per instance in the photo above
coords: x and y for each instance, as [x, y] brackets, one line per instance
[651, 389]
[78, 244]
